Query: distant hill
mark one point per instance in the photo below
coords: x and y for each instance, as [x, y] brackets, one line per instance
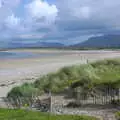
[35, 45]
[101, 41]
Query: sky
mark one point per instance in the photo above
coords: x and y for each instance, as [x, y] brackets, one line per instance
[65, 21]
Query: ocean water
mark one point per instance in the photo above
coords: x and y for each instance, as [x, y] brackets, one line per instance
[18, 55]
[15, 55]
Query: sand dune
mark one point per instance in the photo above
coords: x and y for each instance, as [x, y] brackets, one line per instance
[17, 71]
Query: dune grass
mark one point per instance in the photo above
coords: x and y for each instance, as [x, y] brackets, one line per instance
[101, 73]
[6, 114]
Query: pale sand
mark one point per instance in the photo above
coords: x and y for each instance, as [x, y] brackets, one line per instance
[18, 71]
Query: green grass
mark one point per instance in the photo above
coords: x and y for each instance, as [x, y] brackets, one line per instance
[117, 115]
[98, 74]
[6, 114]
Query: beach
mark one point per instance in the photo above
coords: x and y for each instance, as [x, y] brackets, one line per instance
[14, 72]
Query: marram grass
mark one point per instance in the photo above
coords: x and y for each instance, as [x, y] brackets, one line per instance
[97, 73]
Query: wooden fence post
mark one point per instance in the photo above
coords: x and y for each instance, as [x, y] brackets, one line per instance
[50, 100]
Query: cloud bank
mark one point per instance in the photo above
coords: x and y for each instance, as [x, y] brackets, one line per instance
[67, 21]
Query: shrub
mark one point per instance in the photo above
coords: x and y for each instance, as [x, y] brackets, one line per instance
[15, 92]
[115, 102]
[26, 90]
[73, 105]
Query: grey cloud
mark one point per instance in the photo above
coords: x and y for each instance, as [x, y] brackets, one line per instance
[76, 20]
[103, 14]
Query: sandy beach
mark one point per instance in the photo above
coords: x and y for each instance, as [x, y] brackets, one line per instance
[15, 72]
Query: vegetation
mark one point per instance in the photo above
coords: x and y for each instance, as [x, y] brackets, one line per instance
[6, 114]
[92, 78]
[117, 115]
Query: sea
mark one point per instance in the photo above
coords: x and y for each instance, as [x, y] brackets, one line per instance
[18, 55]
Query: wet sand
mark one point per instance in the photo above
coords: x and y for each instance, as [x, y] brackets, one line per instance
[18, 71]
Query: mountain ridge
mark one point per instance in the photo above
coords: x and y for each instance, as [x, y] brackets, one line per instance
[101, 41]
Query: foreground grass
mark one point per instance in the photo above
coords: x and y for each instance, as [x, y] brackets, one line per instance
[6, 114]
[99, 75]
[117, 115]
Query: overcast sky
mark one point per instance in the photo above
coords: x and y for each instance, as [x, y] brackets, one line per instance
[66, 21]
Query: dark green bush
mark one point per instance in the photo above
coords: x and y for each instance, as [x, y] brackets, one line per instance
[115, 102]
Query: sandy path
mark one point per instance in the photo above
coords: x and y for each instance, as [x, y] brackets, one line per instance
[18, 71]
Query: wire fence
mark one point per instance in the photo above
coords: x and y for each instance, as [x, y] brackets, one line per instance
[103, 97]
[49, 102]
[35, 103]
